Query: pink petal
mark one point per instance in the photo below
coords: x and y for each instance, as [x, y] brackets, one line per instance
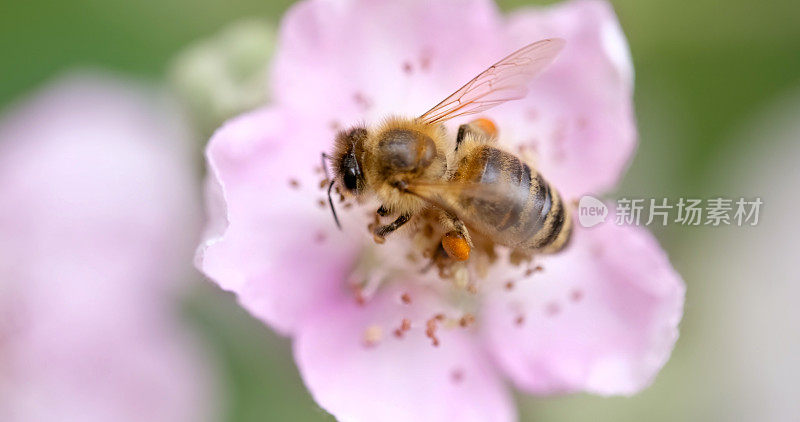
[578, 117]
[398, 378]
[601, 317]
[270, 240]
[98, 221]
[343, 61]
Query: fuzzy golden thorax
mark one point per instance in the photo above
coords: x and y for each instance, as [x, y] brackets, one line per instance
[398, 153]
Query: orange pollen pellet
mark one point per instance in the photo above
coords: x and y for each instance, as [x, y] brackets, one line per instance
[456, 246]
[466, 320]
[486, 125]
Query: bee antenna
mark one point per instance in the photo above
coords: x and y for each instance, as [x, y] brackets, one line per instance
[333, 210]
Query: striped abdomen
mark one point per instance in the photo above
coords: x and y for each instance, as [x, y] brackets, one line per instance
[522, 211]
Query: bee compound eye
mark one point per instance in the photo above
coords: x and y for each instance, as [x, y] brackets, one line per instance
[350, 179]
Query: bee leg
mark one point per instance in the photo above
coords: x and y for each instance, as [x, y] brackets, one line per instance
[382, 211]
[381, 232]
[480, 126]
[462, 132]
[456, 241]
[486, 127]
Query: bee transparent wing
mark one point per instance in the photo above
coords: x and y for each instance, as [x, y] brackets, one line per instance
[505, 80]
[446, 195]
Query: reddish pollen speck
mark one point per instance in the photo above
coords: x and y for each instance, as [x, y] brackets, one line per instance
[430, 331]
[576, 295]
[457, 375]
[519, 320]
[360, 299]
[405, 298]
[362, 100]
[552, 309]
[408, 67]
[294, 183]
[466, 320]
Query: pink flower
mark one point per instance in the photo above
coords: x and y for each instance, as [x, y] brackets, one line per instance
[98, 219]
[376, 339]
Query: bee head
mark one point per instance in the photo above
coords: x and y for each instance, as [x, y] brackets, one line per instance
[346, 159]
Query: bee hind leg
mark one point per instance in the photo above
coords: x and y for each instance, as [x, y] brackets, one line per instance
[484, 128]
[456, 241]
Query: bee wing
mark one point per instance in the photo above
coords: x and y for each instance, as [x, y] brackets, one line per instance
[505, 80]
[445, 195]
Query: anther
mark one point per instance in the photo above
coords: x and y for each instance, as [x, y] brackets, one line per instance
[372, 335]
[430, 331]
[405, 325]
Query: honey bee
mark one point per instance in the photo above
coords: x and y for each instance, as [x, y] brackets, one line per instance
[409, 165]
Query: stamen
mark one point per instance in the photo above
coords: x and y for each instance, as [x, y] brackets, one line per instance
[373, 335]
[405, 325]
[466, 320]
[535, 269]
[430, 331]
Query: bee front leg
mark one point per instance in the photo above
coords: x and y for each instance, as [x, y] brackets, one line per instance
[381, 232]
[382, 211]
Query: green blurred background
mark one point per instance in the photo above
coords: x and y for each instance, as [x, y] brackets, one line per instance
[708, 77]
